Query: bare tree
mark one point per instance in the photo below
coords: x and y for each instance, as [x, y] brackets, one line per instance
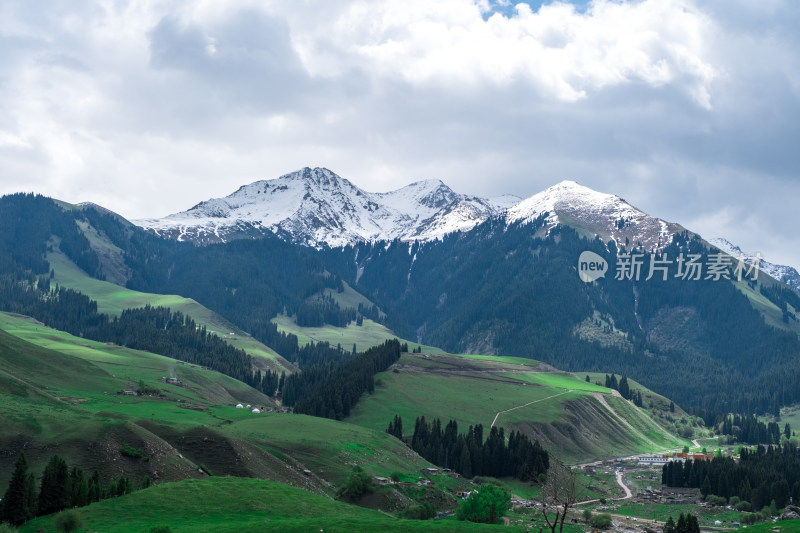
[559, 493]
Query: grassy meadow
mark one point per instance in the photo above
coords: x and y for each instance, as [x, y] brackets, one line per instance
[365, 336]
[113, 299]
[579, 420]
[239, 505]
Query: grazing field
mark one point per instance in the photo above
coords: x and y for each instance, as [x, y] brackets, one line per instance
[365, 336]
[59, 395]
[75, 366]
[113, 299]
[349, 297]
[330, 448]
[648, 397]
[772, 314]
[240, 505]
[706, 516]
[578, 421]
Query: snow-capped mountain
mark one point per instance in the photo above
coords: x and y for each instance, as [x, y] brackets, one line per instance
[315, 206]
[787, 274]
[606, 215]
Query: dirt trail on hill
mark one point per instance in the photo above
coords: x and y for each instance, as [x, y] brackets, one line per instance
[526, 405]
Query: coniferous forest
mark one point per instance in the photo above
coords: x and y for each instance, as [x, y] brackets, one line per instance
[761, 475]
[60, 488]
[470, 455]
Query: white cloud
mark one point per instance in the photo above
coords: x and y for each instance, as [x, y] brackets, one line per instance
[148, 107]
[557, 52]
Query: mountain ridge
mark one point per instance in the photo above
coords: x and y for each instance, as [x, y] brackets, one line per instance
[783, 273]
[317, 207]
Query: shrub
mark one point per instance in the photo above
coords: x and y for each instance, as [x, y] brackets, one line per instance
[422, 511]
[744, 505]
[357, 483]
[716, 500]
[130, 451]
[68, 521]
[601, 521]
[748, 518]
[487, 505]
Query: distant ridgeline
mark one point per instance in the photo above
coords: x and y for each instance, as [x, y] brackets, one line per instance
[498, 289]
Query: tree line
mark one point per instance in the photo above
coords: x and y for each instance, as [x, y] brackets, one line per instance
[470, 455]
[60, 488]
[750, 430]
[685, 524]
[624, 389]
[330, 391]
[154, 329]
[762, 475]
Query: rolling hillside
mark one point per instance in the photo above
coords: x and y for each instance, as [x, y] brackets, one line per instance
[579, 421]
[112, 299]
[241, 506]
[59, 395]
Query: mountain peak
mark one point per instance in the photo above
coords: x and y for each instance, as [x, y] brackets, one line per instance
[606, 215]
[316, 206]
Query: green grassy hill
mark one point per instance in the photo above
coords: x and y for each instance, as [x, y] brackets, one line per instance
[578, 421]
[113, 299]
[240, 505]
[365, 336]
[59, 395]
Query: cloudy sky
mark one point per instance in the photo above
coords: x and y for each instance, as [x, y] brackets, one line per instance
[689, 109]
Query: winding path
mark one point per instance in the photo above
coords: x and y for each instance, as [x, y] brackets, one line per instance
[628, 493]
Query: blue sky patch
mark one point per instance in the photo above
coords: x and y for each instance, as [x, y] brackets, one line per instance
[506, 7]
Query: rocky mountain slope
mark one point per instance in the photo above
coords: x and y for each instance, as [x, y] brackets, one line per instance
[784, 273]
[316, 206]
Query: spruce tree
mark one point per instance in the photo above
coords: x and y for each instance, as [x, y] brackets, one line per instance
[16, 507]
[681, 526]
[54, 494]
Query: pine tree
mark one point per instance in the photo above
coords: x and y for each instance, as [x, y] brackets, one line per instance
[465, 464]
[54, 494]
[16, 507]
[95, 489]
[681, 526]
[624, 388]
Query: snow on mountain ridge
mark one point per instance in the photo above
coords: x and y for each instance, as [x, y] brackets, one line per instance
[316, 206]
[784, 273]
[606, 215]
